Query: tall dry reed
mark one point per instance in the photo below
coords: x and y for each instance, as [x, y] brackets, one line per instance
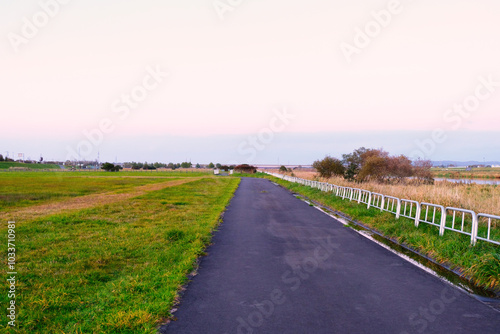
[477, 197]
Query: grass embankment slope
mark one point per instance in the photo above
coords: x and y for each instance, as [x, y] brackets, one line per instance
[9, 164]
[114, 265]
[480, 263]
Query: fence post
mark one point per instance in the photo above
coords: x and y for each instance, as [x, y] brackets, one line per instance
[475, 225]
[369, 199]
[398, 209]
[443, 221]
[417, 214]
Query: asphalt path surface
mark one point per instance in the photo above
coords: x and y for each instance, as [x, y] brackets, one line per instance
[278, 265]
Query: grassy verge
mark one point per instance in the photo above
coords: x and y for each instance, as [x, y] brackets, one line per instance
[113, 268]
[480, 263]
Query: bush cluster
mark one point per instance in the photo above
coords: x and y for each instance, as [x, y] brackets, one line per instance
[374, 165]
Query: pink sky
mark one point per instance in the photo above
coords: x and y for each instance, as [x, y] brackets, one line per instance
[227, 76]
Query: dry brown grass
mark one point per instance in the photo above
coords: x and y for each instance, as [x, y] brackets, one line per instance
[83, 202]
[477, 197]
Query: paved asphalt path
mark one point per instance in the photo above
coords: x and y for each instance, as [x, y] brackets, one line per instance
[278, 265]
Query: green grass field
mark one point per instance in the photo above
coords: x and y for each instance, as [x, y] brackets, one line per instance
[9, 164]
[24, 189]
[481, 263]
[113, 266]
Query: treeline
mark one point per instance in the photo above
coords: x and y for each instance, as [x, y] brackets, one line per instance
[157, 165]
[374, 165]
[5, 159]
[171, 165]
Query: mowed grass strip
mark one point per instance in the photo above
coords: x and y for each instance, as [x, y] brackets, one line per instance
[25, 189]
[481, 263]
[116, 268]
[83, 202]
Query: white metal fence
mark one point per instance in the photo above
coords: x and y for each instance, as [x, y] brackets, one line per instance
[411, 210]
[479, 226]
[484, 233]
